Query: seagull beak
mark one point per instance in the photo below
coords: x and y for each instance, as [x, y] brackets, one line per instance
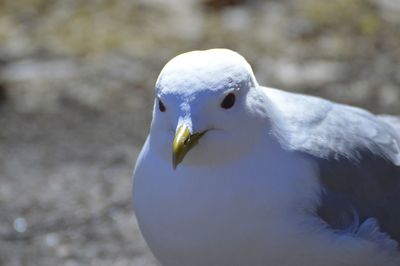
[184, 141]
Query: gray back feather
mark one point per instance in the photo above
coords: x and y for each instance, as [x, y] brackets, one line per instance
[358, 155]
[393, 121]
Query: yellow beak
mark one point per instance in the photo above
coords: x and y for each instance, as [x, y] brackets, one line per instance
[183, 143]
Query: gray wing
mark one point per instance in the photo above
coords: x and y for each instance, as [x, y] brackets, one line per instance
[394, 121]
[354, 192]
[358, 156]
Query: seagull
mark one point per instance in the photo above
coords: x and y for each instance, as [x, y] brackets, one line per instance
[234, 174]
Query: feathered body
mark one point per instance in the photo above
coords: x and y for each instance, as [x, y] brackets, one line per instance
[311, 183]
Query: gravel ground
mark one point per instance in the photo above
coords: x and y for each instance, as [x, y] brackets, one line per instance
[65, 189]
[76, 90]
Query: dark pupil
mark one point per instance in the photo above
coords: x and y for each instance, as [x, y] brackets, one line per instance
[228, 101]
[161, 106]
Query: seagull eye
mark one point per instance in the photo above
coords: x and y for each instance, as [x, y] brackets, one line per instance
[161, 106]
[228, 101]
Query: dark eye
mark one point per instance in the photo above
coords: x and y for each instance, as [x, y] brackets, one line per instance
[228, 101]
[161, 106]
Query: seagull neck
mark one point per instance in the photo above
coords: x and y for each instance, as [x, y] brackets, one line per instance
[270, 112]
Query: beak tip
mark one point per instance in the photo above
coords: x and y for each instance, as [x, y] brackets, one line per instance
[174, 163]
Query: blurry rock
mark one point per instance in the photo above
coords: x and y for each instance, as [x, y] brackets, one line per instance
[20, 225]
[218, 5]
[310, 74]
[172, 19]
[32, 84]
[390, 9]
[352, 16]
[3, 94]
[272, 20]
[397, 77]
[389, 95]
[29, 69]
[236, 18]
[52, 240]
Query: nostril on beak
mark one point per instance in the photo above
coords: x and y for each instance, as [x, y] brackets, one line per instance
[186, 141]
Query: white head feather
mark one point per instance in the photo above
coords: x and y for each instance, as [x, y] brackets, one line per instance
[191, 87]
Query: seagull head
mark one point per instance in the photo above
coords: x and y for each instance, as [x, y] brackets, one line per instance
[207, 108]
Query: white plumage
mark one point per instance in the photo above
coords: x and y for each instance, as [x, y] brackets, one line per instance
[277, 179]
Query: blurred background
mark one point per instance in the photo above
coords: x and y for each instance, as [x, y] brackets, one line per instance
[76, 90]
